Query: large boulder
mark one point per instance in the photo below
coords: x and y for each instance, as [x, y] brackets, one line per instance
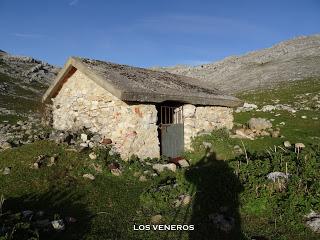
[259, 124]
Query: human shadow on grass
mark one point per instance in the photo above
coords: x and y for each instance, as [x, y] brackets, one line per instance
[215, 210]
[30, 216]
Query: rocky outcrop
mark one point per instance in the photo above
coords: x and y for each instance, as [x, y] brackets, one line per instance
[291, 60]
[27, 69]
[23, 80]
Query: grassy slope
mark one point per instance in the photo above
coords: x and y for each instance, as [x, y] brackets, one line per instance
[295, 129]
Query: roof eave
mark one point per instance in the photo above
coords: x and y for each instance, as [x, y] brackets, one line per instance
[224, 101]
[74, 64]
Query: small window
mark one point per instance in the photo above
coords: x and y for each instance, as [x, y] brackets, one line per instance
[171, 115]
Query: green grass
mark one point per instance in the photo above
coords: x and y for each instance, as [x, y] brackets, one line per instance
[109, 206]
[295, 129]
[19, 99]
[284, 93]
[62, 190]
[11, 118]
[124, 200]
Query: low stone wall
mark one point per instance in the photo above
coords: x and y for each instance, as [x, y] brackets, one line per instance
[199, 120]
[83, 103]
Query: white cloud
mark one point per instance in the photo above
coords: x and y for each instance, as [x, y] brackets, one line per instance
[28, 35]
[195, 24]
[73, 2]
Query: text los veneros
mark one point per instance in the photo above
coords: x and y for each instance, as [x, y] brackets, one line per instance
[160, 227]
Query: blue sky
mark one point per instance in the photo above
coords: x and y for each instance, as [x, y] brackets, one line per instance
[148, 32]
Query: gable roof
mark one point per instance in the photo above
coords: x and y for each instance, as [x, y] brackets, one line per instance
[140, 85]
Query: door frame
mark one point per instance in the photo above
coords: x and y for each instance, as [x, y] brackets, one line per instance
[170, 113]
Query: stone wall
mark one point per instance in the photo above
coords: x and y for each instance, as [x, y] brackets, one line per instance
[83, 103]
[200, 119]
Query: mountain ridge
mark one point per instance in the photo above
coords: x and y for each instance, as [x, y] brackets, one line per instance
[294, 59]
[23, 80]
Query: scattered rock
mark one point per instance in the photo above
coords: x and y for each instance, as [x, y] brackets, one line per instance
[58, 225]
[106, 141]
[156, 219]
[207, 145]
[242, 134]
[161, 167]
[259, 124]
[5, 145]
[183, 200]
[170, 166]
[20, 123]
[91, 144]
[186, 199]
[93, 156]
[264, 133]
[275, 133]
[96, 138]
[6, 171]
[52, 161]
[299, 146]
[312, 220]
[183, 163]
[246, 107]
[158, 167]
[275, 175]
[84, 137]
[142, 178]
[268, 108]
[39, 162]
[35, 165]
[89, 176]
[116, 172]
[287, 144]
[84, 145]
[237, 150]
[97, 167]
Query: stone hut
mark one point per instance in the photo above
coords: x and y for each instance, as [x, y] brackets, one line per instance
[144, 112]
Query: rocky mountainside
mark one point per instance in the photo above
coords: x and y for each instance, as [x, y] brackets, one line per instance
[290, 60]
[23, 80]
